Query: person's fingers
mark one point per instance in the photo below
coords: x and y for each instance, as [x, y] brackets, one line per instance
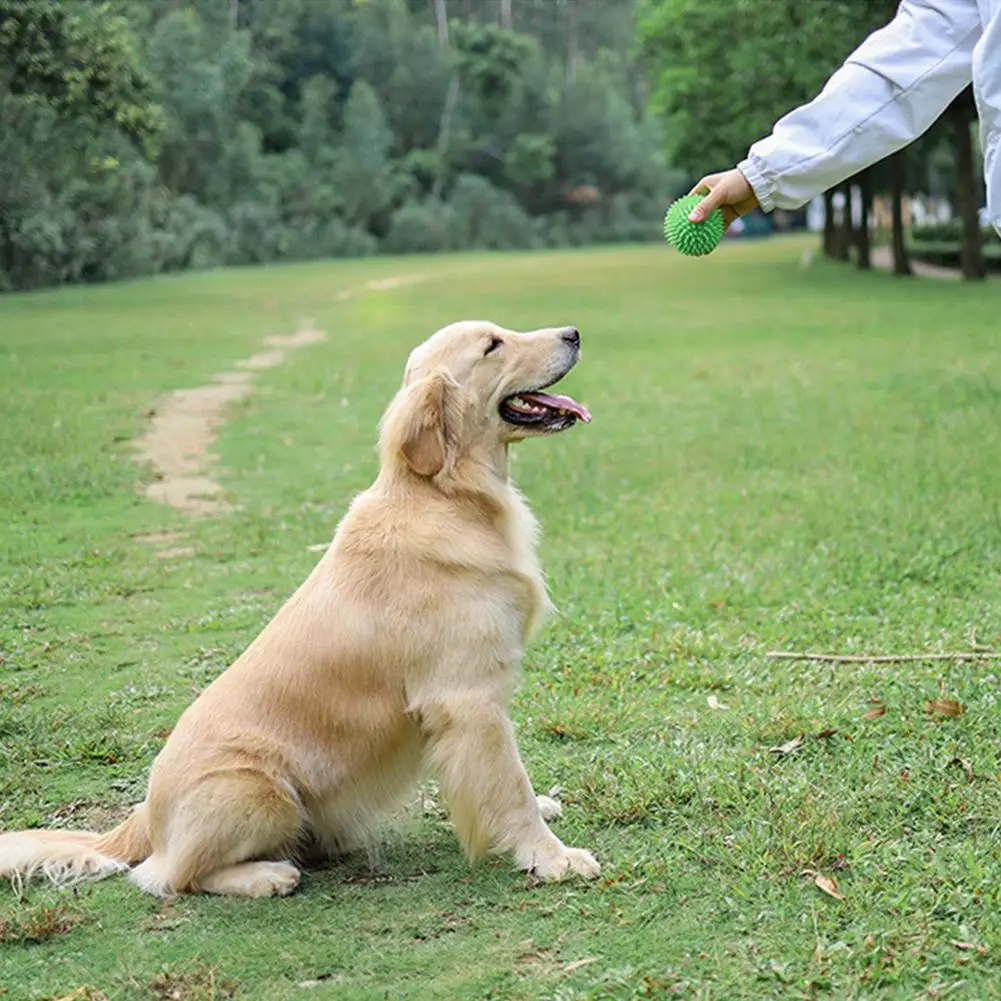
[715, 198]
[729, 214]
[706, 184]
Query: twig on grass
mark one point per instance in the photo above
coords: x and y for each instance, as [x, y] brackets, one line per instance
[974, 645]
[882, 658]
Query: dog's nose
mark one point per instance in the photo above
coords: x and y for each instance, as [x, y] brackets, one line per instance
[572, 336]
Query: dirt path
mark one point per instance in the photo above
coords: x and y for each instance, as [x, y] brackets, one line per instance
[185, 425]
[882, 258]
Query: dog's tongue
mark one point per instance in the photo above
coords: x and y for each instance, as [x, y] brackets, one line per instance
[559, 403]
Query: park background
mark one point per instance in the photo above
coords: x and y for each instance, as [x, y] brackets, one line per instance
[146, 136]
[791, 453]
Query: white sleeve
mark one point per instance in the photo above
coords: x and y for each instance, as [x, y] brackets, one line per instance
[889, 91]
[987, 85]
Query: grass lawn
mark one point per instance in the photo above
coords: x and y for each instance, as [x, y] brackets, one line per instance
[781, 458]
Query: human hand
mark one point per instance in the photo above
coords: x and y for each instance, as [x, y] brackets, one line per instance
[728, 191]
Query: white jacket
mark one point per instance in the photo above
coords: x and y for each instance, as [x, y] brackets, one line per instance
[889, 91]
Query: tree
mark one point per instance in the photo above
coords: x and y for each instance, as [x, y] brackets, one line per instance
[399, 56]
[573, 39]
[80, 60]
[76, 116]
[724, 73]
[138, 136]
[844, 235]
[441, 19]
[862, 242]
[962, 114]
[362, 174]
[199, 81]
[316, 135]
[897, 165]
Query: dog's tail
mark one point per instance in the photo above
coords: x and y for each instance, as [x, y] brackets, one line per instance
[67, 857]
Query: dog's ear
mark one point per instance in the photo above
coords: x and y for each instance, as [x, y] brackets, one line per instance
[425, 424]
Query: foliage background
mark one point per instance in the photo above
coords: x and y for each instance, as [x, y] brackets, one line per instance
[147, 136]
[143, 136]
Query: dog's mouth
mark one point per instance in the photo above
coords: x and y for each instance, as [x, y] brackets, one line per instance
[539, 411]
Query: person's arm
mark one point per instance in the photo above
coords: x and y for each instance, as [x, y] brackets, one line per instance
[889, 91]
[987, 72]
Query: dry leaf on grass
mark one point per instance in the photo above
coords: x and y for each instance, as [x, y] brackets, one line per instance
[944, 707]
[824, 883]
[878, 709]
[970, 947]
[788, 747]
[714, 703]
[578, 964]
[974, 645]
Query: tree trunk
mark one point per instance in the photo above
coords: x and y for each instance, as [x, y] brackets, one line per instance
[847, 223]
[972, 256]
[862, 236]
[506, 18]
[451, 99]
[901, 261]
[445, 133]
[842, 239]
[6, 254]
[572, 13]
[829, 228]
[441, 16]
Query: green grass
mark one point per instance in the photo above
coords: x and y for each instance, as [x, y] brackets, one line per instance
[780, 459]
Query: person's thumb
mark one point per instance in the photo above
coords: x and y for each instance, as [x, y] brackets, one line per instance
[712, 201]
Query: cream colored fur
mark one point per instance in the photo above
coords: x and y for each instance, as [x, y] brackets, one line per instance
[398, 651]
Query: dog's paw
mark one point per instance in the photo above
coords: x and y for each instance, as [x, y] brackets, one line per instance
[561, 862]
[550, 808]
[272, 879]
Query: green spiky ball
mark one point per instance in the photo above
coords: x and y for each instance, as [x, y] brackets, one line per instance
[694, 239]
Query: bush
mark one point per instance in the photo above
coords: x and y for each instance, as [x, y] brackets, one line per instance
[947, 232]
[554, 230]
[256, 233]
[95, 227]
[620, 219]
[484, 217]
[634, 218]
[948, 254]
[623, 218]
[938, 231]
[330, 238]
[418, 228]
[187, 235]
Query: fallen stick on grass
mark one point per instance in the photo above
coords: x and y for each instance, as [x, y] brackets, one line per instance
[882, 658]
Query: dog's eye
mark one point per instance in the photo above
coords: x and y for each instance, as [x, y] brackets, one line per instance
[493, 345]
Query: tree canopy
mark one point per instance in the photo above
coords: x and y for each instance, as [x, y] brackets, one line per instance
[139, 136]
[723, 71]
[142, 136]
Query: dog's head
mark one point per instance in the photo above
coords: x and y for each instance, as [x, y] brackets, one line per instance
[475, 387]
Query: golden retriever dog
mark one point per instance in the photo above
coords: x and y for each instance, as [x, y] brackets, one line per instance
[399, 651]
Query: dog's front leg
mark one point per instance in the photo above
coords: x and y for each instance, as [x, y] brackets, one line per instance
[473, 750]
